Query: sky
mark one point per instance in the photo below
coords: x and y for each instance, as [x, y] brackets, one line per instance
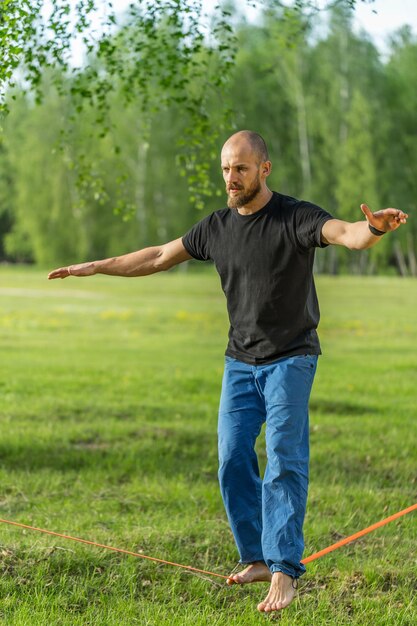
[383, 17]
[379, 18]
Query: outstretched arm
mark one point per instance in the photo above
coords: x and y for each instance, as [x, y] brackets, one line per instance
[140, 263]
[357, 235]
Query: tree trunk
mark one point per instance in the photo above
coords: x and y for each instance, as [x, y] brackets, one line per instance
[333, 261]
[399, 257]
[411, 253]
[140, 176]
[344, 87]
[302, 128]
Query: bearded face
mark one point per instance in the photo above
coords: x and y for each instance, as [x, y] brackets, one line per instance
[239, 195]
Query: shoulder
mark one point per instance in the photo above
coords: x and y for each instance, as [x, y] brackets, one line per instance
[284, 200]
[302, 209]
[221, 215]
[215, 221]
[287, 206]
[208, 224]
[305, 220]
[296, 204]
[216, 216]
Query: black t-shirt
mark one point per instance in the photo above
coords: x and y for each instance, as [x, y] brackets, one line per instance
[265, 263]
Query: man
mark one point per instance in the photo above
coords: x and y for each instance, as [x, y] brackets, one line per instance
[263, 248]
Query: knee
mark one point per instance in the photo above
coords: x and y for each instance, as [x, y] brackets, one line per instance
[235, 462]
[229, 460]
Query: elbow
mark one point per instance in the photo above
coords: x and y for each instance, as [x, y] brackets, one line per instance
[161, 263]
[358, 246]
[352, 244]
[348, 243]
[160, 267]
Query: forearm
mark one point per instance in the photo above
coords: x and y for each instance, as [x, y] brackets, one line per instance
[139, 263]
[357, 236]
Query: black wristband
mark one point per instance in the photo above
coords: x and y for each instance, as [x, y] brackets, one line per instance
[375, 231]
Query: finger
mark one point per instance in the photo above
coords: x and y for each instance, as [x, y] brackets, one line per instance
[62, 272]
[399, 217]
[366, 211]
[391, 211]
[386, 212]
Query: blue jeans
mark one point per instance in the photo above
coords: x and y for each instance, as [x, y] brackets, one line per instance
[266, 516]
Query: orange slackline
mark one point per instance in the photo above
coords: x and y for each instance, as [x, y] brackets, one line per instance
[101, 545]
[361, 533]
[317, 555]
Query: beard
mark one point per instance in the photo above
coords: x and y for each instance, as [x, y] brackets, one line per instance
[245, 196]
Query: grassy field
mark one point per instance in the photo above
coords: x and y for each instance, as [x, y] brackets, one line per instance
[109, 392]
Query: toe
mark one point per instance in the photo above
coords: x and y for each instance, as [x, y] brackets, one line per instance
[261, 606]
[237, 579]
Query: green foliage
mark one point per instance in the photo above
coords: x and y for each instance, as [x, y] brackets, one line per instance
[357, 177]
[162, 53]
[339, 123]
[399, 180]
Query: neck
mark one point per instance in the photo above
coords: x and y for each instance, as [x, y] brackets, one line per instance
[257, 203]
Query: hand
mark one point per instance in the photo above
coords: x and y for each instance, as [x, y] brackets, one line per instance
[386, 219]
[83, 269]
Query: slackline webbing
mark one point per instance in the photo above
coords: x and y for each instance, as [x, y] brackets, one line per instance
[313, 557]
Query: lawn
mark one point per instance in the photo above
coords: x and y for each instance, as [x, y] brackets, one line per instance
[109, 394]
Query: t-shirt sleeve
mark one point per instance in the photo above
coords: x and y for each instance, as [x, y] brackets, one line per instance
[309, 221]
[197, 240]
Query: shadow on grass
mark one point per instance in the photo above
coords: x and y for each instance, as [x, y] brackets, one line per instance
[164, 454]
[150, 451]
[99, 414]
[335, 407]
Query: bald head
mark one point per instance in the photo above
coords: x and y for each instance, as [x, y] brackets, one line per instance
[248, 140]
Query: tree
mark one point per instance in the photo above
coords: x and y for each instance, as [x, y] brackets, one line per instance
[357, 178]
[343, 68]
[177, 55]
[335, 120]
[400, 164]
[6, 196]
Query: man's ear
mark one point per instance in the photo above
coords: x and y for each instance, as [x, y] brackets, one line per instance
[266, 168]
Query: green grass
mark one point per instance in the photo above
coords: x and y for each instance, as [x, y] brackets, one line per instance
[109, 393]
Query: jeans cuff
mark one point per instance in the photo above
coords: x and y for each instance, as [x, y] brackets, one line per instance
[276, 567]
[252, 559]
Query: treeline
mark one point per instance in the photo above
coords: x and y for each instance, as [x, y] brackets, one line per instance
[340, 122]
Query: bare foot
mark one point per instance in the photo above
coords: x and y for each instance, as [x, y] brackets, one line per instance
[254, 573]
[280, 594]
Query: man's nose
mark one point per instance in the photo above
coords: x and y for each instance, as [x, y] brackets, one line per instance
[230, 177]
